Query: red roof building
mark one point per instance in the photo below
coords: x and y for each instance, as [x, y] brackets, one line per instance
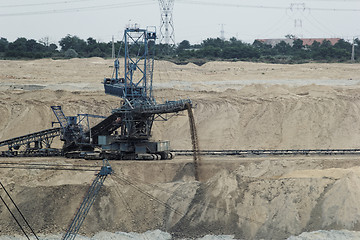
[310, 41]
[306, 41]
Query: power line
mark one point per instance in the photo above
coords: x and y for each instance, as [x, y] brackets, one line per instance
[21, 214]
[275, 27]
[321, 24]
[317, 25]
[78, 9]
[229, 4]
[42, 4]
[263, 6]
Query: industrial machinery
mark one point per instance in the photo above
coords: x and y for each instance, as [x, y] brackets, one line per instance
[126, 133]
[76, 133]
[139, 108]
[33, 144]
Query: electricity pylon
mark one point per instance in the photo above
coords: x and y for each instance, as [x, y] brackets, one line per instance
[167, 35]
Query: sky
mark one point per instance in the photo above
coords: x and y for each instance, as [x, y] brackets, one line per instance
[194, 20]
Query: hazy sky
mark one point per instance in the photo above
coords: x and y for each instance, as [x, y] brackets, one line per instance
[194, 20]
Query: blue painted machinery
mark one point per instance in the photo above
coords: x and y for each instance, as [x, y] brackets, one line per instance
[138, 109]
[126, 133]
[76, 133]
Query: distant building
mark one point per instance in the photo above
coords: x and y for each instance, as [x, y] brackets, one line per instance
[290, 41]
[310, 41]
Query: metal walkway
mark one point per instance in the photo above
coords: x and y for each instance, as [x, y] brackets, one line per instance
[60, 116]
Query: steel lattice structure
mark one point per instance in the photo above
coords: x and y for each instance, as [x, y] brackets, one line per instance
[126, 133]
[138, 109]
[167, 33]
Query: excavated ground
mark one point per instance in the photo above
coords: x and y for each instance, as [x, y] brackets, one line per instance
[251, 198]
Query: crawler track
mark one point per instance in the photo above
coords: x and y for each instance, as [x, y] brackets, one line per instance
[53, 152]
[240, 153]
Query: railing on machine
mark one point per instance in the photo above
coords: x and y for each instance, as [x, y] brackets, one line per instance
[60, 116]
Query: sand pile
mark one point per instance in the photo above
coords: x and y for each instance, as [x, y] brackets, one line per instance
[273, 207]
[93, 70]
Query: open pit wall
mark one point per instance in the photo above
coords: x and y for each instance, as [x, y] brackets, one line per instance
[250, 198]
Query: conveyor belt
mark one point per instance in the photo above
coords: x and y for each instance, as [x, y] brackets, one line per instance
[105, 127]
[245, 153]
[270, 152]
[168, 107]
[45, 135]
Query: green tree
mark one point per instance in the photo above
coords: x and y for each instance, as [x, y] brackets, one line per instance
[342, 44]
[357, 48]
[208, 52]
[92, 45]
[3, 44]
[263, 49]
[52, 47]
[32, 46]
[73, 42]
[19, 45]
[213, 42]
[283, 48]
[297, 44]
[185, 44]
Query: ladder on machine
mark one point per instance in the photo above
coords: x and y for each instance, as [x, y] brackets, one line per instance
[60, 116]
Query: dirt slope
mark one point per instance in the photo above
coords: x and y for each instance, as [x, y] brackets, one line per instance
[251, 198]
[269, 198]
[255, 117]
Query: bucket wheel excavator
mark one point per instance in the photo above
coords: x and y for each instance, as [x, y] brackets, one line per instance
[138, 109]
[126, 133]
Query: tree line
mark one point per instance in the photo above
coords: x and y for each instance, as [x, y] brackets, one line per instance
[208, 50]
